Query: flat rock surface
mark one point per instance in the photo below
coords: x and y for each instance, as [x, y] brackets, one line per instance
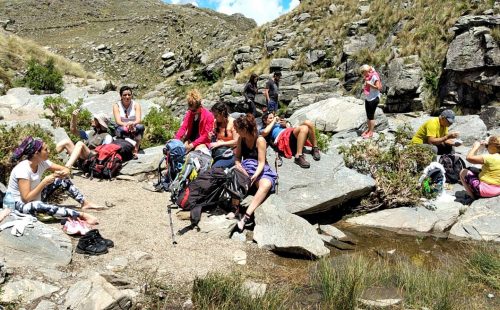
[25, 290]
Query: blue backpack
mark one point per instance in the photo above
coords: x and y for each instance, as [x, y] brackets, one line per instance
[175, 153]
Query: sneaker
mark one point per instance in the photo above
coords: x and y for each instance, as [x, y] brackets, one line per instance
[94, 233]
[243, 222]
[316, 153]
[89, 245]
[302, 162]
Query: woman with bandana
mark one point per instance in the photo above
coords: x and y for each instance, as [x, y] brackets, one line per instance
[30, 191]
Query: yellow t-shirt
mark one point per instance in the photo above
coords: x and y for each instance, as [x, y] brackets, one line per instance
[431, 128]
[490, 172]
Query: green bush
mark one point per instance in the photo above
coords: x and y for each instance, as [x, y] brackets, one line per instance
[395, 166]
[43, 77]
[161, 126]
[61, 111]
[10, 138]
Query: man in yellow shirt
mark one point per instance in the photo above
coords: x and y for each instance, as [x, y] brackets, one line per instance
[434, 133]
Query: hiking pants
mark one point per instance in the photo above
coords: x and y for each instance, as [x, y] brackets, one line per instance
[122, 132]
[38, 206]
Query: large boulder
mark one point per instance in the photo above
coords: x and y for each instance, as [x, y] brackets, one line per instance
[338, 114]
[41, 245]
[25, 290]
[146, 162]
[323, 187]
[471, 77]
[356, 43]
[412, 219]
[481, 221]
[403, 82]
[278, 230]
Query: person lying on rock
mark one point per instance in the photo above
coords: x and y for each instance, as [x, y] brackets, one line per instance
[487, 182]
[127, 114]
[434, 134]
[250, 154]
[290, 140]
[197, 124]
[30, 192]
[91, 139]
[223, 136]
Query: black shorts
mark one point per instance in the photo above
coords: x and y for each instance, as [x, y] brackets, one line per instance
[370, 107]
[293, 143]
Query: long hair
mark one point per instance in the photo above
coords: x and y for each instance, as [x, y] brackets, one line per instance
[246, 122]
[221, 108]
[252, 79]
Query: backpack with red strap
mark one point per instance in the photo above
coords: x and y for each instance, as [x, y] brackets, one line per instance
[104, 163]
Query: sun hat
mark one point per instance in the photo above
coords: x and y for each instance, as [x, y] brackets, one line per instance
[102, 119]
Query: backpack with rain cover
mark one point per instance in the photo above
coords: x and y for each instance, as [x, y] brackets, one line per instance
[174, 153]
[432, 180]
[214, 187]
[196, 162]
[104, 163]
[452, 164]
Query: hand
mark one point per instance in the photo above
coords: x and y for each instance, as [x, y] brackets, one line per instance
[477, 144]
[49, 179]
[189, 147]
[282, 122]
[76, 112]
[214, 145]
[452, 135]
[252, 179]
[63, 173]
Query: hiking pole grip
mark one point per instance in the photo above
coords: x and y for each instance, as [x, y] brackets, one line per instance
[169, 211]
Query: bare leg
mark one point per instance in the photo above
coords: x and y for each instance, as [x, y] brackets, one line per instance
[371, 125]
[90, 219]
[90, 205]
[300, 133]
[65, 144]
[263, 188]
[79, 151]
[312, 132]
[467, 188]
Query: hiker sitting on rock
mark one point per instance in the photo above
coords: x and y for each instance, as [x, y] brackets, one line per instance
[290, 140]
[434, 134]
[223, 137]
[197, 124]
[487, 182]
[90, 139]
[250, 156]
[128, 115]
[30, 192]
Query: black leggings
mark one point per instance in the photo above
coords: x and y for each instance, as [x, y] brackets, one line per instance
[370, 107]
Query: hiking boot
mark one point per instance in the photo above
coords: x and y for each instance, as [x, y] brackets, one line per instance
[316, 153]
[89, 245]
[302, 162]
[94, 233]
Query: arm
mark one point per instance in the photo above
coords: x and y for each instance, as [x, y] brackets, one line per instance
[59, 171]
[138, 113]
[116, 114]
[237, 156]
[448, 139]
[245, 90]
[261, 148]
[377, 85]
[73, 123]
[231, 143]
[28, 195]
[266, 92]
[472, 157]
[266, 131]
[182, 130]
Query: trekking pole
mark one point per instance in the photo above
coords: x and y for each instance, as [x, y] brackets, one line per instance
[169, 211]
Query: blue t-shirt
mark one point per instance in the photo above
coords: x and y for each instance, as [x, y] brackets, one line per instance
[275, 131]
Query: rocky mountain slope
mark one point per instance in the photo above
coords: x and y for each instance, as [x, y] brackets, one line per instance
[138, 42]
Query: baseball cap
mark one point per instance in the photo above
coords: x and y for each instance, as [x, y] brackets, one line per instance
[449, 115]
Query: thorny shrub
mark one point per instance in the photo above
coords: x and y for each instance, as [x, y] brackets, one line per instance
[43, 76]
[395, 166]
[61, 111]
[161, 126]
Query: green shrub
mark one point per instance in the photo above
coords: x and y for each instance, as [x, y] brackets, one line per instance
[61, 111]
[43, 77]
[323, 140]
[217, 291]
[10, 138]
[395, 166]
[161, 126]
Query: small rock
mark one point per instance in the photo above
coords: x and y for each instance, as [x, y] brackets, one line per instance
[490, 295]
[240, 257]
[140, 255]
[117, 264]
[26, 290]
[188, 304]
[46, 305]
[256, 290]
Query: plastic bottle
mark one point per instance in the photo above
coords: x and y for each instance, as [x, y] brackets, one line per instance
[8, 201]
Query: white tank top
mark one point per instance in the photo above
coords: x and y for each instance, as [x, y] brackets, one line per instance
[127, 115]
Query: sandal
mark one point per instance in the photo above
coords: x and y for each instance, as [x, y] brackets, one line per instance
[243, 221]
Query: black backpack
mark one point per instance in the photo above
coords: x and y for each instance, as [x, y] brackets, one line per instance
[126, 150]
[452, 164]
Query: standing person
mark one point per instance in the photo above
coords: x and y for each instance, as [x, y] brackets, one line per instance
[30, 192]
[271, 92]
[250, 91]
[91, 139]
[290, 140]
[371, 89]
[250, 156]
[197, 124]
[128, 115]
[224, 135]
[487, 182]
[434, 133]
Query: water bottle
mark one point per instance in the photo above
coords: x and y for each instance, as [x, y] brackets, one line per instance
[9, 202]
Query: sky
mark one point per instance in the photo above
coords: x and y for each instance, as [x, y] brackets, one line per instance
[262, 11]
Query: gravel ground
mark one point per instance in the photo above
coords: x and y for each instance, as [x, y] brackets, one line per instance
[139, 222]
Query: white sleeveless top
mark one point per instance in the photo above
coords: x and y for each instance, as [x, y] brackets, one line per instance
[127, 115]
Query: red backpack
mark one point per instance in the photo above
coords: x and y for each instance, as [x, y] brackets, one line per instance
[104, 163]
